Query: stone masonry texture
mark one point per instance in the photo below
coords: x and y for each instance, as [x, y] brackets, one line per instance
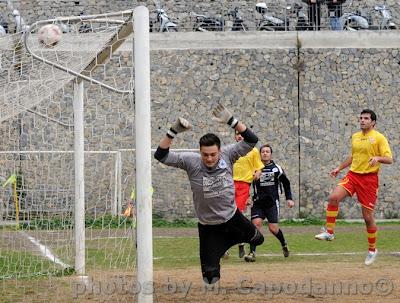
[304, 102]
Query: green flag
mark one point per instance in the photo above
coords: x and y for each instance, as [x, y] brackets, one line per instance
[11, 180]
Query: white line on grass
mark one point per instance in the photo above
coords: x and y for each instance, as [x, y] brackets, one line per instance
[129, 236]
[46, 252]
[394, 253]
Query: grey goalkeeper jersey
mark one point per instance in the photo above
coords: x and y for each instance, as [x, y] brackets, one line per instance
[213, 189]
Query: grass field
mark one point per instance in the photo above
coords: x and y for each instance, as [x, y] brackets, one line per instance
[176, 262]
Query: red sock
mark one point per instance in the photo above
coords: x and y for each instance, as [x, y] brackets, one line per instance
[331, 214]
[372, 233]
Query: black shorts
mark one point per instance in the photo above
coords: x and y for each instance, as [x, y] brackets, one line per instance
[215, 240]
[269, 212]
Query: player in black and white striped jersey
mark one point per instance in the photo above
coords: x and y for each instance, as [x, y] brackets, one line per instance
[266, 199]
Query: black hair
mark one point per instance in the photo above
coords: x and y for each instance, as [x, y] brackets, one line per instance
[210, 140]
[266, 145]
[371, 112]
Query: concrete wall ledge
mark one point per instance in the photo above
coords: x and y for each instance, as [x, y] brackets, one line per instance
[250, 40]
[347, 39]
[272, 40]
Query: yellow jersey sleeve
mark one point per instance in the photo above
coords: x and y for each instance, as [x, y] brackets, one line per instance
[257, 163]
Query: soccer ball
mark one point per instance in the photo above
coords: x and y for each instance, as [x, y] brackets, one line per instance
[49, 35]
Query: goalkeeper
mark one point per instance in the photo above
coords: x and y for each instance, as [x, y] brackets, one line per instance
[221, 225]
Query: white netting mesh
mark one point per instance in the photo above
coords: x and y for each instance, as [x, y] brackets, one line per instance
[43, 244]
[37, 137]
[87, 41]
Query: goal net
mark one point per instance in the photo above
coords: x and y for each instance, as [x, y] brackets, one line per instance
[37, 190]
[86, 43]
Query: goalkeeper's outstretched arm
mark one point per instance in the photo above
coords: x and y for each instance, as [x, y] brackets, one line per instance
[179, 126]
[223, 115]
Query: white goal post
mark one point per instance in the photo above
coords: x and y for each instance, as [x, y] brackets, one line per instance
[143, 151]
[82, 70]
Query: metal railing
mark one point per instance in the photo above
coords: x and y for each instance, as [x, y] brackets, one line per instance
[293, 16]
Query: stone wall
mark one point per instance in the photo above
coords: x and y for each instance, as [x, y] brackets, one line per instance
[304, 101]
[334, 86]
[256, 84]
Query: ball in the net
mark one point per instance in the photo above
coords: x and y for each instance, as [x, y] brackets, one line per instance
[49, 35]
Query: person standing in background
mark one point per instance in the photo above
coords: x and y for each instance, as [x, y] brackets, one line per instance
[314, 13]
[335, 12]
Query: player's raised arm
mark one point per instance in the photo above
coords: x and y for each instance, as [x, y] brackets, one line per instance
[223, 115]
[179, 126]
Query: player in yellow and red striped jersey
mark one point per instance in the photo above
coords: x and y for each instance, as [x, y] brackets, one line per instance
[369, 149]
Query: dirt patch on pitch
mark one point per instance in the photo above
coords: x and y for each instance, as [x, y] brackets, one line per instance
[305, 282]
